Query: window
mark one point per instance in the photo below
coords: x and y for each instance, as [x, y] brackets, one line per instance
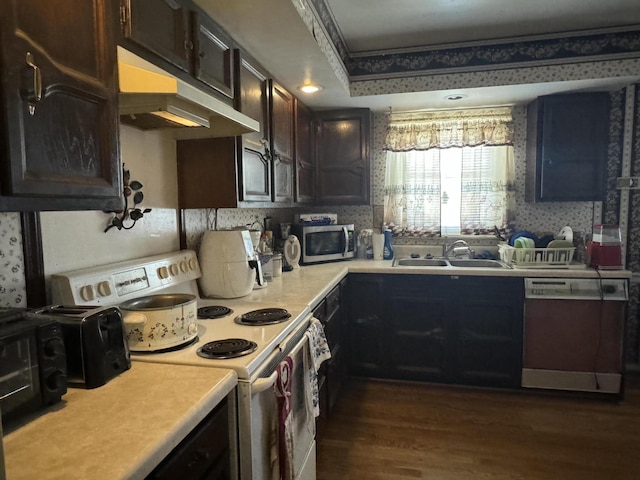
[443, 178]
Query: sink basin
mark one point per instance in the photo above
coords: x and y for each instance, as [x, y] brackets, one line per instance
[420, 262]
[477, 263]
[451, 262]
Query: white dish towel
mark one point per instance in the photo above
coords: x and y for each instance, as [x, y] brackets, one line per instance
[318, 352]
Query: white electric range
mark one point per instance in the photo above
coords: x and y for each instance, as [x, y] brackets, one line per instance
[257, 409]
[177, 272]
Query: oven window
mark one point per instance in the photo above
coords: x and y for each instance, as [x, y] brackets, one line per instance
[18, 372]
[324, 243]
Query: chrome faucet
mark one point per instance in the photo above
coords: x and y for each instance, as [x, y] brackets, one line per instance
[458, 249]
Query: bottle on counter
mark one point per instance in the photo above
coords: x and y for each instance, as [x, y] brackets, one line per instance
[365, 244]
[387, 252]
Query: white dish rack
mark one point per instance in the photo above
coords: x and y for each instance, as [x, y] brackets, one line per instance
[536, 257]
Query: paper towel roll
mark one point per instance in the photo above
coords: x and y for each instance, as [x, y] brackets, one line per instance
[378, 246]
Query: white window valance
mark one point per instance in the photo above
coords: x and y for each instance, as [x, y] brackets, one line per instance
[453, 128]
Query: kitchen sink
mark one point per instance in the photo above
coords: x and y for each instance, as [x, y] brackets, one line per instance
[477, 263]
[420, 262]
[453, 262]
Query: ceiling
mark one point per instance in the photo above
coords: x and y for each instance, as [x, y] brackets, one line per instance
[274, 32]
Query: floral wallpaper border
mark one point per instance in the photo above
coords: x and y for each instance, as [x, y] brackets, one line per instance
[587, 46]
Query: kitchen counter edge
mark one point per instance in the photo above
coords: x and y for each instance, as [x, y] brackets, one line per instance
[121, 430]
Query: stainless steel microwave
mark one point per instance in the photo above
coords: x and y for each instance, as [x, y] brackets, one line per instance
[325, 243]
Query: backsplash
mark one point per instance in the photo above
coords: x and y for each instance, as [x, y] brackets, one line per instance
[198, 221]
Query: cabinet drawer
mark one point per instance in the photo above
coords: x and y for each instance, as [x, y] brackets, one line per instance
[203, 454]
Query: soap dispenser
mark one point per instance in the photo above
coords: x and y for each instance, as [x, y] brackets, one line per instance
[387, 252]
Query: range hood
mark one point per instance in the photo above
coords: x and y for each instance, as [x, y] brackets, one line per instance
[152, 99]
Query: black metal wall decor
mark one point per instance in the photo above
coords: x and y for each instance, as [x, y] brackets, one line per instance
[126, 218]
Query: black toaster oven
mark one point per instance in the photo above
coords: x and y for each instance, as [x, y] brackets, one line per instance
[33, 367]
[95, 343]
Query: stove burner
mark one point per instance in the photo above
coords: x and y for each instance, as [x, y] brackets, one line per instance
[213, 311]
[227, 348]
[264, 316]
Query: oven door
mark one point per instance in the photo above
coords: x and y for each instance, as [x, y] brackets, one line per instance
[259, 454]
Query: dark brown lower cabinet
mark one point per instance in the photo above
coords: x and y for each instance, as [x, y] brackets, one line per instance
[204, 454]
[365, 326]
[449, 329]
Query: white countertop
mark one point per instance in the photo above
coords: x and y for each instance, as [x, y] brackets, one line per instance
[120, 430]
[309, 284]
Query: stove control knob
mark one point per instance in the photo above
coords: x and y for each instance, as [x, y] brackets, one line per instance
[192, 328]
[610, 289]
[184, 266]
[173, 269]
[192, 264]
[163, 272]
[87, 292]
[104, 289]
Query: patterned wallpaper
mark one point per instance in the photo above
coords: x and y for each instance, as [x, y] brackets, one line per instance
[12, 282]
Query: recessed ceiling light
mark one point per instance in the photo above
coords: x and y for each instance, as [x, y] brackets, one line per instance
[455, 96]
[309, 88]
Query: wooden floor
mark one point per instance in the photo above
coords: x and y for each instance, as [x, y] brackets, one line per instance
[387, 430]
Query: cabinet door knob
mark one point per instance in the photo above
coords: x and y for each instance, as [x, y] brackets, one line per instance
[36, 96]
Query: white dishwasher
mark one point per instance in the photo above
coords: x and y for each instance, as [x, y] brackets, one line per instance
[573, 334]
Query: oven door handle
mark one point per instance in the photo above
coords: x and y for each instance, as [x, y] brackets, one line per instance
[263, 384]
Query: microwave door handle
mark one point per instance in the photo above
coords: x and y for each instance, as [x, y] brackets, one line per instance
[345, 239]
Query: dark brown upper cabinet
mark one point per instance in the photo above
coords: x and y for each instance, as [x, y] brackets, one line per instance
[254, 155]
[305, 159]
[161, 27]
[282, 151]
[179, 37]
[213, 59]
[265, 160]
[59, 139]
[567, 147]
[231, 171]
[342, 140]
